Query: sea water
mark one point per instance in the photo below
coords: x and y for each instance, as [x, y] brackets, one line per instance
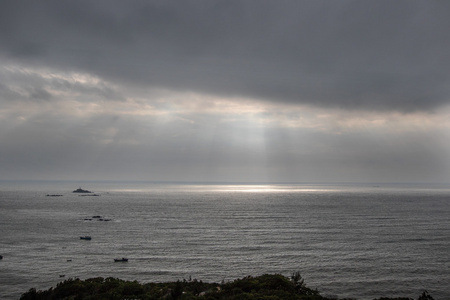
[359, 241]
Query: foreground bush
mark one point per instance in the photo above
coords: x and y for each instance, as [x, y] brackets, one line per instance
[265, 287]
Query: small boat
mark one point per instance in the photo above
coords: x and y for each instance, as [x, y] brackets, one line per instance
[80, 190]
[86, 237]
[123, 259]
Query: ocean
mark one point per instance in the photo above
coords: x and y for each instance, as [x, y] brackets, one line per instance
[362, 241]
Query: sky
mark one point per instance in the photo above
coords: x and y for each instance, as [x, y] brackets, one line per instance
[225, 91]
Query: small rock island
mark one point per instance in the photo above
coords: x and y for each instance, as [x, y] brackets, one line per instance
[80, 190]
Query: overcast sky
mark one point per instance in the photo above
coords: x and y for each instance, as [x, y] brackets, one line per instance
[250, 91]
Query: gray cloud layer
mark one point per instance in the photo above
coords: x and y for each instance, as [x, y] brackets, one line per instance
[104, 147]
[380, 55]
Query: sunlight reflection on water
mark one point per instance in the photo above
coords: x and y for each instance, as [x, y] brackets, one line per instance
[254, 188]
[269, 189]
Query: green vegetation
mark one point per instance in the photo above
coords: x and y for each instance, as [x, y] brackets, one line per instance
[264, 287]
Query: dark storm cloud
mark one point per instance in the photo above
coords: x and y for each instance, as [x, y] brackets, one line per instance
[353, 54]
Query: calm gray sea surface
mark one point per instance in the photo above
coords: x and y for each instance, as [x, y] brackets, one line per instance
[358, 241]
